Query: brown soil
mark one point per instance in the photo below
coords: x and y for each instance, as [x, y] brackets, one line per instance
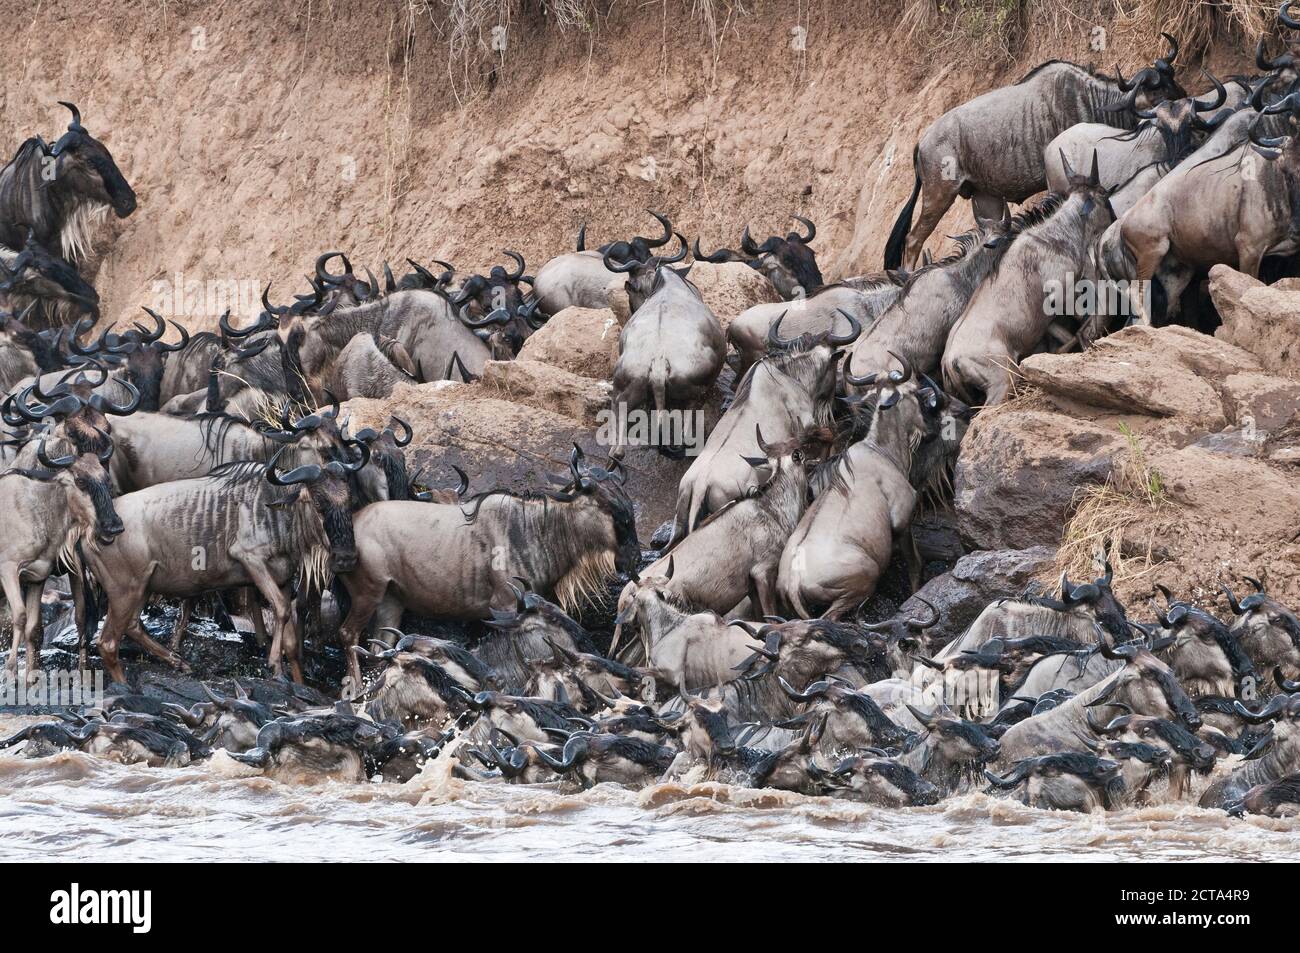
[258, 135]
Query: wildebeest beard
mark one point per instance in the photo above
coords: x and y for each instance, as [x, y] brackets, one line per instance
[337, 521]
[393, 464]
[101, 497]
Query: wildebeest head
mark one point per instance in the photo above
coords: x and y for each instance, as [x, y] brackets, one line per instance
[792, 768]
[881, 781]
[803, 650]
[643, 274]
[142, 348]
[496, 308]
[1146, 685]
[1094, 599]
[36, 273]
[1184, 746]
[1266, 629]
[956, 741]
[84, 478]
[853, 719]
[1153, 84]
[639, 248]
[83, 411]
[605, 510]
[85, 167]
[326, 489]
[413, 690]
[787, 262]
[386, 451]
[1206, 657]
[1178, 120]
[1068, 781]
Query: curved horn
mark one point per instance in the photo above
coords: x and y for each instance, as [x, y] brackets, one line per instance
[519, 260]
[917, 625]
[622, 268]
[76, 126]
[1166, 63]
[324, 276]
[855, 329]
[58, 463]
[815, 690]
[105, 406]
[160, 327]
[308, 473]
[263, 323]
[866, 381]
[680, 253]
[406, 429]
[774, 339]
[180, 345]
[747, 244]
[1221, 95]
[812, 229]
[668, 231]
[1284, 16]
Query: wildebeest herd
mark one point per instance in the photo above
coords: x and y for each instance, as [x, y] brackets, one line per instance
[219, 469]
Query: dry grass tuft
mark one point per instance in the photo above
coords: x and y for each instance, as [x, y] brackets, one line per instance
[1110, 522]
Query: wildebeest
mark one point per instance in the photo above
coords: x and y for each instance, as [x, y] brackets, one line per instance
[1133, 160]
[790, 392]
[885, 782]
[1205, 656]
[565, 542]
[691, 650]
[1276, 756]
[787, 262]
[65, 208]
[312, 746]
[1267, 630]
[1143, 686]
[580, 279]
[1008, 315]
[672, 348]
[990, 148]
[1071, 781]
[843, 543]
[1228, 203]
[33, 276]
[733, 555]
[245, 524]
[52, 506]
[915, 324]
[113, 741]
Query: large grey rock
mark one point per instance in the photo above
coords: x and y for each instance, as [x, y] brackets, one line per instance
[976, 580]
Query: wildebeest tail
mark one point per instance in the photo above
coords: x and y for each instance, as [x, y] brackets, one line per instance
[1117, 263]
[659, 383]
[897, 243]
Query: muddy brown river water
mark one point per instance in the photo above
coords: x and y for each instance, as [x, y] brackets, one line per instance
[78, 807]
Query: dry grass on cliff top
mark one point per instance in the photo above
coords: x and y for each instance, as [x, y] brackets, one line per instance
[1111, 522]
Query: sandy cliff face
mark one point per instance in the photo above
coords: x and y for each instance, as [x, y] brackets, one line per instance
[259, 135]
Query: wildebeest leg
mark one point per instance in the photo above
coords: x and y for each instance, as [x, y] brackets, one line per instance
[182, 623]
[122, 611]
[81, 616]
[366, 595]
[762, 588]
[259, 620]
[138, 633]
[33, 636]
[292, 644]
[938, 192]
[14, 595]
[1148, 250]
[281, 610]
